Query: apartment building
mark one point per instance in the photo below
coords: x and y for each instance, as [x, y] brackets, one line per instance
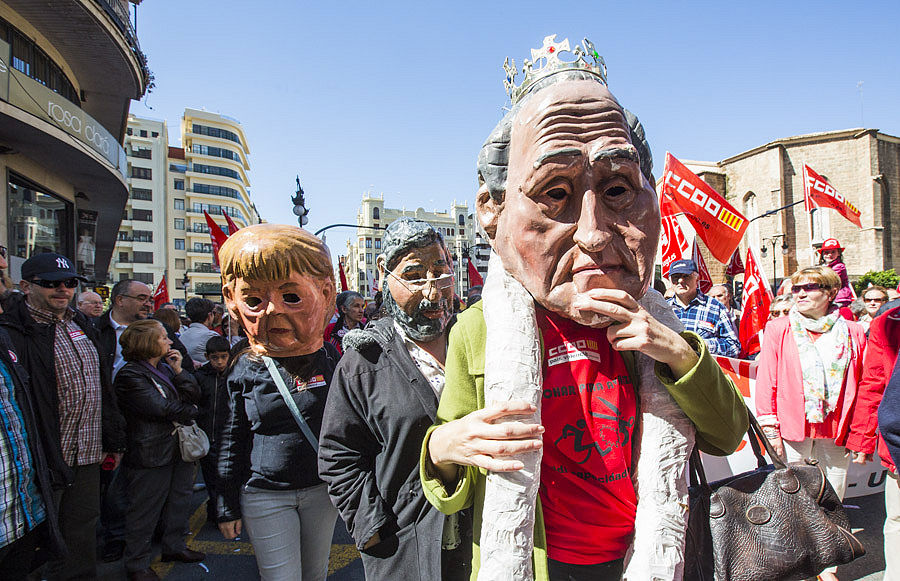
[456, 225]
[68, 72]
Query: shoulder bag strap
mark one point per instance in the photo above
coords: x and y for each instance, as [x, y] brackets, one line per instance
[292, 405]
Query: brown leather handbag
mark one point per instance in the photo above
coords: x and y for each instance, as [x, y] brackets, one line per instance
[778, 522]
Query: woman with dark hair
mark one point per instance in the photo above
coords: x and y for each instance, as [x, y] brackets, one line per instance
[351, 307]
[155, 393]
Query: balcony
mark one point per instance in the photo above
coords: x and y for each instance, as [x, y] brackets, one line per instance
[208, 288]
[97, 41]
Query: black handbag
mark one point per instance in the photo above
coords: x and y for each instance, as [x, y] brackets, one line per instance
[778, 522]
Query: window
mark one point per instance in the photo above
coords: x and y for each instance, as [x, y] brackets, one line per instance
[452, 231]
[142, 153]
[124, 236]
[217, 191]
[179, 202]
[30, 60]
[369, 257]
[215, 170]
[143, 173]
[154, 134]
[214, 209]
[144, 277]
[142, 215]
[378, 244]
[179, 244]
[179, 185]
[143, 133]
[129, 131]
[461, 220]
[216, 152]
[376, 213]
[179, 223]
[200, 247]
[179, 263]
[39, 221]
[143, 257]
[123, 276]
[123, 257]
[142, 236]
[368, 243]
[215, 132]
[178, 167]
[141, 194]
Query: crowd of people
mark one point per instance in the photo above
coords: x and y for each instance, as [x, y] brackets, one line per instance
[399, 416]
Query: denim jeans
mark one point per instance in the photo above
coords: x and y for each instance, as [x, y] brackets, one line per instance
[291, 531]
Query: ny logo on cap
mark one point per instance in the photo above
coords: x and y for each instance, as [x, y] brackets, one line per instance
[62, 263]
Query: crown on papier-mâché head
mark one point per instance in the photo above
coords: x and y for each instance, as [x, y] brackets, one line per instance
[587, 59]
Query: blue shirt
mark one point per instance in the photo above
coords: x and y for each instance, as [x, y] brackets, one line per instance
[21, 507]
[711, 320]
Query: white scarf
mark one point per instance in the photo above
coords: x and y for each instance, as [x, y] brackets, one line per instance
[823, 362]
[513, 361]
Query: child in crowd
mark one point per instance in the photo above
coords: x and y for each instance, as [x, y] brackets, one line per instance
[213, 410]
[831, 254]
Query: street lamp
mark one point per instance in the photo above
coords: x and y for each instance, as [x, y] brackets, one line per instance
[773, 240]
[300, 209]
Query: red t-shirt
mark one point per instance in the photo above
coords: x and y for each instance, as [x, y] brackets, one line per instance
[588, 410]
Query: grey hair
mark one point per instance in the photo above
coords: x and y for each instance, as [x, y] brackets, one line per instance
[493, 159]
[404, 234]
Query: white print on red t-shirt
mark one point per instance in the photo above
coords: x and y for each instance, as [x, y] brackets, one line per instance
[581, 349]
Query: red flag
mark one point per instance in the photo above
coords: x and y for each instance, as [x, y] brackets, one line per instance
[673, 241]
[344, 285]
[820, 194]
[704, 281]
[735, 266]
[474, 276]
[756, 299]
[216, 235]
[232, 227]
[718, 224]
[161, 294]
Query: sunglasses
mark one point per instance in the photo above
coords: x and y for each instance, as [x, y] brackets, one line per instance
[68, 283]
[874, 300]
[808, 287]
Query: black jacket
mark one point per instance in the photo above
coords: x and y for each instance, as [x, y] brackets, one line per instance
[34, 343]
[149, 415]
[108, 342]
[213, 403]
[51, 543]
[378, 411]
[261, 444]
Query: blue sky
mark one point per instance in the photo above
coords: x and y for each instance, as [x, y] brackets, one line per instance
[399, 96]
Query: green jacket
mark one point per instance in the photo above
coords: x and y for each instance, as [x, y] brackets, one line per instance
[706, 395]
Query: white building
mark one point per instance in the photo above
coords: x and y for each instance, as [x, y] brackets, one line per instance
[456, 224]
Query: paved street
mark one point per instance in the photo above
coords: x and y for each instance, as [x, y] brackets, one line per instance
[233, 560]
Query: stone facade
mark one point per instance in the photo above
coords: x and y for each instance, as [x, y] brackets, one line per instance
[862, 164]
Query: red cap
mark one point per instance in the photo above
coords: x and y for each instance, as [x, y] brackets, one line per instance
[830, 244]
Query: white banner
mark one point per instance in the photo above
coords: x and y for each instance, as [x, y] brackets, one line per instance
[861, 479]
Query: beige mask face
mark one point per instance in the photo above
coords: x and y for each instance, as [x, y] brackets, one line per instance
[282, 318]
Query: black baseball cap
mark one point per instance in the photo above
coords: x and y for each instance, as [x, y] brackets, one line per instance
[685, 266]
[49, 266]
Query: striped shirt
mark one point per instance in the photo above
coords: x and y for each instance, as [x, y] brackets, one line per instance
[78, 387]
[21, 507]
[711, 320]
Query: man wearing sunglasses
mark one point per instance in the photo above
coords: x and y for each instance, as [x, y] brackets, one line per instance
[74, 405]
[383, 398]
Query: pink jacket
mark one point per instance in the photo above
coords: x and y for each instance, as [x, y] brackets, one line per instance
[779, 388]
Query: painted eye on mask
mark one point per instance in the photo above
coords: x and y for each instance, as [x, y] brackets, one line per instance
[291, 298]
[253, 302]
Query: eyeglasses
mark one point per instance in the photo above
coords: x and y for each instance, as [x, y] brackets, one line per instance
[874, 299]
[139, 298]
[419, 284]
[808, 287]
[68, 283]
